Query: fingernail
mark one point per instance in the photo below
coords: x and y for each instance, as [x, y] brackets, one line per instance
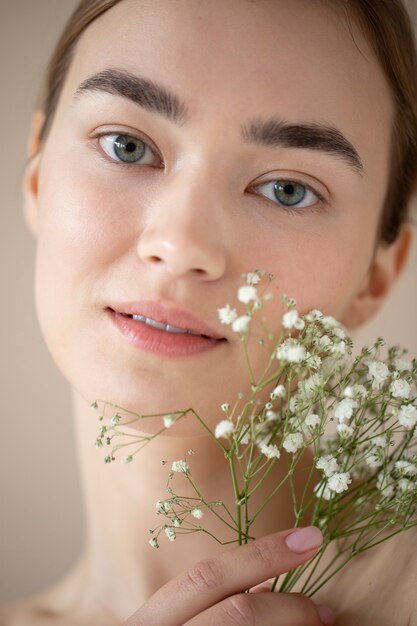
[304, 539]
[326, 614]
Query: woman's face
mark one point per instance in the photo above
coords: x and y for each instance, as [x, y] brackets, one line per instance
[168, 203]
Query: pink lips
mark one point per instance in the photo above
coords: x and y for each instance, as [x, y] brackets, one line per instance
[159, 341]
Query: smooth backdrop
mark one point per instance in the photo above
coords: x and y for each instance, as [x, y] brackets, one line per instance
[41, 515]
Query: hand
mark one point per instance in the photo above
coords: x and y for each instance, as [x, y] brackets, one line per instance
[212, 591]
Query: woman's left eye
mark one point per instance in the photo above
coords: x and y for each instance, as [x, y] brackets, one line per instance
[290, 194]
[127, 149]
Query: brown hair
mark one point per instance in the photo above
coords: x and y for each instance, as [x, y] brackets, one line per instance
[387, 27]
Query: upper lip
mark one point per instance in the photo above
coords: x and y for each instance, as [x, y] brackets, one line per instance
[166, 315]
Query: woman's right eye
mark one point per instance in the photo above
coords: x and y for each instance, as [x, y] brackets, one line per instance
[127, 149]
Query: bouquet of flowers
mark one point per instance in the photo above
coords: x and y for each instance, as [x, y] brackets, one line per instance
[356, 418]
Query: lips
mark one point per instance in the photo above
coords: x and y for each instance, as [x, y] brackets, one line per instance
[164, 331]
[171, 320]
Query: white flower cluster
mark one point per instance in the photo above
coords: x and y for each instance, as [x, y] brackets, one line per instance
[335, 481]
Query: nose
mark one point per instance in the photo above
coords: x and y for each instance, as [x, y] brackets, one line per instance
[183, 233]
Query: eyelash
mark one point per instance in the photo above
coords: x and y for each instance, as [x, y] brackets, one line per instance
[320, 203]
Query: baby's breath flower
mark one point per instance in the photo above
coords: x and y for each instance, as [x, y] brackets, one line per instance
[153, 542]
[241, 324]
[400, 389]
[169, 420]
[247, 293]
[407, 416]
[197, 513]
[127, 459]
[252, 278]
[180, 466]
[328, 464]
[291, 351]
[227, 315]
[339, 348]
[339, 482]
[322, 491]
[270, 451]
[225, 407]
[293, 442]
[329, 321]
[170, 533]
[338, 332]
[290, 318]
[344, 431]
[176, 522]
[224, 429]
[115, 420]
[374, 457]
[378, 373]
[406, 468]
[344, 409]
[380, 441]
[314, 361]
[313, 316]
[312, 420]
[278, 392]
[385, 485]
[403, 365]
[405, 485]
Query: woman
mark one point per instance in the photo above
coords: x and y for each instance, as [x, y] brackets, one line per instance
[180, 145]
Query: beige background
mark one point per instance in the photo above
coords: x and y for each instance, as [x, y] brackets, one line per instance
[41, 518]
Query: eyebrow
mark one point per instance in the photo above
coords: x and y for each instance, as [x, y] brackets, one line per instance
[272, 132]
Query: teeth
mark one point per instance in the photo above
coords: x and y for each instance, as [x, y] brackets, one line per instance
[167, 327]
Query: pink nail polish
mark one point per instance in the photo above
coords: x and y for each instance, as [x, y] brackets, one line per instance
[326, 614]
[304, 539]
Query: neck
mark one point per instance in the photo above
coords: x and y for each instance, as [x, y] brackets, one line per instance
[118, 568]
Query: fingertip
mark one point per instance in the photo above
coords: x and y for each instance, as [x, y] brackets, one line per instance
[304, 539]
[326, 614]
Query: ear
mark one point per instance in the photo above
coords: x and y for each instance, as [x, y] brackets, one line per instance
[387, 264]
[31, 175]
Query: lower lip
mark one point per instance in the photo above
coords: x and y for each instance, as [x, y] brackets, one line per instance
[160, 342]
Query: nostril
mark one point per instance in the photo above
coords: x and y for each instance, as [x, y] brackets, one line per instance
[155, 259]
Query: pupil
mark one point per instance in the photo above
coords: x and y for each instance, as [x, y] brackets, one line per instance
[130, 147]
[289, 189]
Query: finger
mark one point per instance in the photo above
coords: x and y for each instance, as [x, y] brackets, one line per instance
[226, 574]
[272, 609]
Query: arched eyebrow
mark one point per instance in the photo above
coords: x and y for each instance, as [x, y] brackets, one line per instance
[272, 132]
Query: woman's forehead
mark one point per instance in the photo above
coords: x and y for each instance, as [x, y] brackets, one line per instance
[297, 60]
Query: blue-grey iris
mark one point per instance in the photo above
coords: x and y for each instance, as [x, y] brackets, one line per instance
[289, 193]
[128, 149]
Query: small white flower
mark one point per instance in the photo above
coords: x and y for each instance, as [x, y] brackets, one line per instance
[197, 513]
[241, 324]
[338, 332]
[252, 278]
[405, 485]
[407, 416]
[329, 321]
[328, 464]
[127, 459]
[224, 429]
[293, 442]
[289, 319]
[225, 407]
[344, 409]
[344, 431]
[314, 362]
[380, 441]
[170, 533]
[385, 485]
[292, 352]
[403, 365]
[153, 542]
[180, 466]
[400, 389]
[278, 392]
[378, 373]
[406, 468]
[169, 420]
[312, 420]
[176, 521]
[310, 385]
[339, 482]
[322, 491]
[356, 391]
[339, 349]
[271, 415]
[270, 451]
[314, 315]
[324, 342]
[374, 458]
[115, 420]
[227, 315]
[247, 293]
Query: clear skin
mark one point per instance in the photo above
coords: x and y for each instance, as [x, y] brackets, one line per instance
[182, 234]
